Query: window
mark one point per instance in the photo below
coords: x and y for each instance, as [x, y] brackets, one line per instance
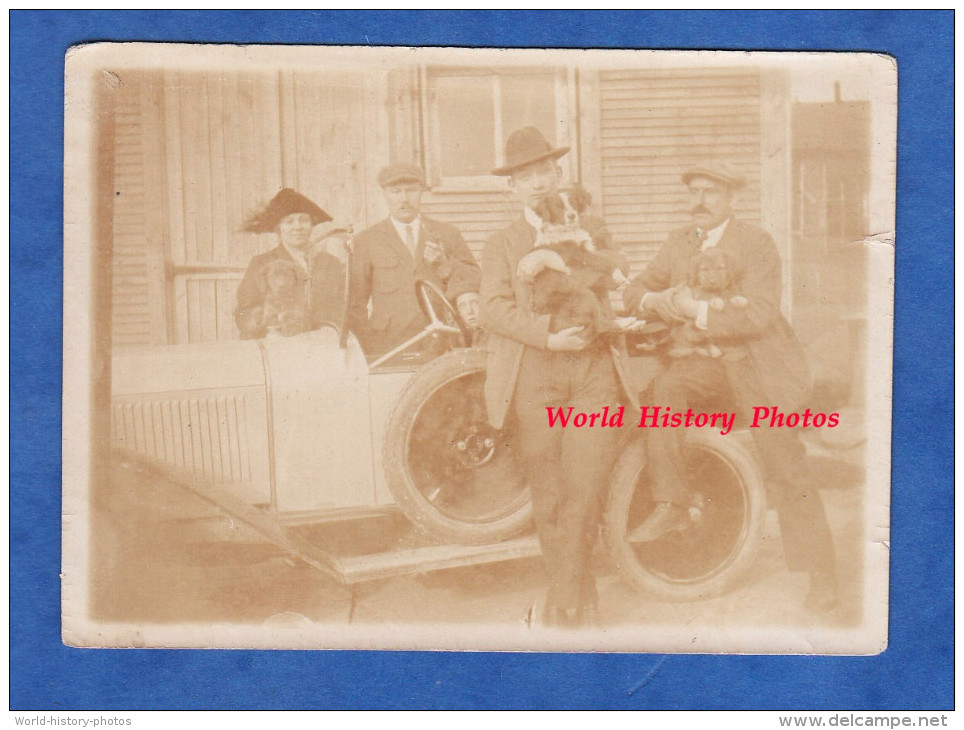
[470, 112]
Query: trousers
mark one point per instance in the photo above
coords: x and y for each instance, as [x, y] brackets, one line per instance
[695, 380]
[567, 468]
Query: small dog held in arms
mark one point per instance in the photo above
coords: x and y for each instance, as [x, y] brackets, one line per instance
[567, 275]
[711, 280]
[285, 307]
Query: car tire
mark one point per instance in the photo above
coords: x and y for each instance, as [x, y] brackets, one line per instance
[716, 551]
[453, 475]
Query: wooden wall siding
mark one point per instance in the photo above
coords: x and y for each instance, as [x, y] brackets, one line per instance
[138, 315]
[477, 214]
[653, 125]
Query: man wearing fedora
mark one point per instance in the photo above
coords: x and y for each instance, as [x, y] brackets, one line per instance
[301, 227]
[772, 371]
[390, 255]
[530, 369]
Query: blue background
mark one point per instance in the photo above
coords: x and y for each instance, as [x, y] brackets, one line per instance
[916, 671]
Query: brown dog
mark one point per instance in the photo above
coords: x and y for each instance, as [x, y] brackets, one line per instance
[711, 280]
[285, 306]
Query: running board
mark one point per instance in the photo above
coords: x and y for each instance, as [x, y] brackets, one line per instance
[436, 557]
[344, 570]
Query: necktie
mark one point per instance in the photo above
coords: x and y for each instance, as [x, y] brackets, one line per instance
[410, 239]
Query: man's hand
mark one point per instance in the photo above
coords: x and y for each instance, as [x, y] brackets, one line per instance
[566, 340]
[686, 305]
[468, 306]
[663, 305]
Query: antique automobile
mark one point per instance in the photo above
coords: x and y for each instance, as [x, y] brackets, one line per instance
[284, 433]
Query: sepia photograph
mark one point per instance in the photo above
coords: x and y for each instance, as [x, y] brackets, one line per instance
[477, 349]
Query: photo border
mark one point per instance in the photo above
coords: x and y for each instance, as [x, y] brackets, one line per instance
[915, 672]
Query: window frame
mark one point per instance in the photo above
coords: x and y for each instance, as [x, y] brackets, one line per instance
[564, 92]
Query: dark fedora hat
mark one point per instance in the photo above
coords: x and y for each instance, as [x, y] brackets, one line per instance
[525, 146]
[286, 202]
[717, 170]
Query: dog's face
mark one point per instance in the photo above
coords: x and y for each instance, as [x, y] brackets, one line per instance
[556, 210]
[712, 271]
[281, 278]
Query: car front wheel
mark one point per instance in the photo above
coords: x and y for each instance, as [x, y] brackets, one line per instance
[451, 473]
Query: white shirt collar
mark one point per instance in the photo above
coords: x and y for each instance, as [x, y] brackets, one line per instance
[713, 235]
[415, 225]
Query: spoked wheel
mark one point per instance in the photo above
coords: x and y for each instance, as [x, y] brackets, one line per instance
[727, 513]
[451, 473]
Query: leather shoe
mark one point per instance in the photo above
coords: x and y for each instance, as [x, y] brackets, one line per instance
[667, 517]
[822, 596]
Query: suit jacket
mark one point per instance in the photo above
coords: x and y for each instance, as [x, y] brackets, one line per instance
[775, 362]
[507, 316]
[384, 272]
[324, 286]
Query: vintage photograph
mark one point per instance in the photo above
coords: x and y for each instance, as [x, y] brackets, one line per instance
[477, 349]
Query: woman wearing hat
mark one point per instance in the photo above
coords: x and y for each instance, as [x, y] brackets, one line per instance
[319, 275]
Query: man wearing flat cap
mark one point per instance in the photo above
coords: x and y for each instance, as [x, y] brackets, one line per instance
[390, 255]
[303, 230]
[770, 370]
[530, 369]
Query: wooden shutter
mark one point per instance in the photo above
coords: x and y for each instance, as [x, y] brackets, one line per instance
[137, 287]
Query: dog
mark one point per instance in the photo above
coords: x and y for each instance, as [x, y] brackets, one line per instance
[285, 307]
[567, 216]
[567, 276]
[711, 280]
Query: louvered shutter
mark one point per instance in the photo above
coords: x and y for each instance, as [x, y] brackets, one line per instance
[137, 315]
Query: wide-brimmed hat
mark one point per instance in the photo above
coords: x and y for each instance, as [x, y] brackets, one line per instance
[286, 202]
[525, 146]
[717, 170]
[400, 172]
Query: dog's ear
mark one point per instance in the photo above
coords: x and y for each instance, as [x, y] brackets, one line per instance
[579, 198]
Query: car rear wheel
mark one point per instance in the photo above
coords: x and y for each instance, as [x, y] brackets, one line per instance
[728, 510]
[451, 473]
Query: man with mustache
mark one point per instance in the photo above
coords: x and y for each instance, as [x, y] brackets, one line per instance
[772, 371]
[390, 255]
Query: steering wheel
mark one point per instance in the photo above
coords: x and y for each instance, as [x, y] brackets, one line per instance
[428, 292]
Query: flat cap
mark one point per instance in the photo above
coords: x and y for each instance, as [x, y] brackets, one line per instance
[717, 170]
[399, 172]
